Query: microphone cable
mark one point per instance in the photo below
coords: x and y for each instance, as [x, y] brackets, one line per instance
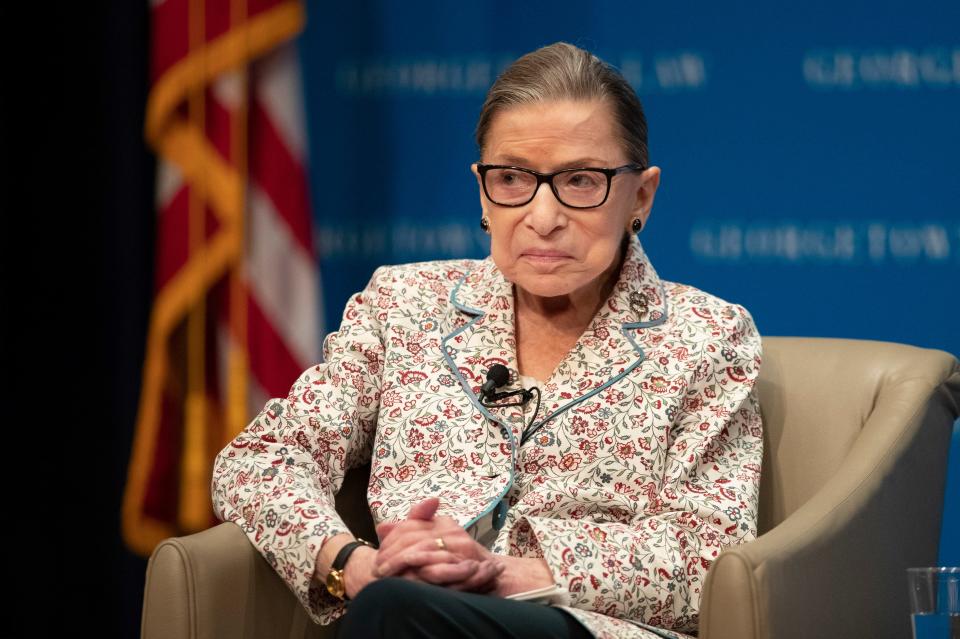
[498, 376]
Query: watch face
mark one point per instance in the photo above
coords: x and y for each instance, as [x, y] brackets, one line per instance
[335, 584]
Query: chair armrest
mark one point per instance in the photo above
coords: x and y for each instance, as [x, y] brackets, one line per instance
[836, 566]
[215, 584]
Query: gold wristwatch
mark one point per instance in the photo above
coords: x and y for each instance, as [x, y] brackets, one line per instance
[336, 585]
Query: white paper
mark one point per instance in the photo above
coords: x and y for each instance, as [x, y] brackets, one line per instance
[552, 594]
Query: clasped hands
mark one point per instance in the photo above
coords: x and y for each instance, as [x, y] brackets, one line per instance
[410, 549]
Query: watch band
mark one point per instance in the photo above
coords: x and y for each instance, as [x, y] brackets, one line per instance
[341, 559]
[335, 581]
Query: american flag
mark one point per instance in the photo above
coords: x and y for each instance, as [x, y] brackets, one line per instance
[236, 307]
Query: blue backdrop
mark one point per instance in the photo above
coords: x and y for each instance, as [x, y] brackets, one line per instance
[809, 155]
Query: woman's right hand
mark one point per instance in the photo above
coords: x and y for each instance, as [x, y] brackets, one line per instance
[409, 549]
[361, 566]
[410, 553]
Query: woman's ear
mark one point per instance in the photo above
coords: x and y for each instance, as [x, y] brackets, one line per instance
[646, 192]
[476, 173]
[483, 199]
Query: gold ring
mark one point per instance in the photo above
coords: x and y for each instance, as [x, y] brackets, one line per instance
[440, 544]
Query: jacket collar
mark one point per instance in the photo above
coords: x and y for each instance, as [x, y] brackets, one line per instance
[605, 352]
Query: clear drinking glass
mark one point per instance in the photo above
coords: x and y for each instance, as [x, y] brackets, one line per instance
[934, 602]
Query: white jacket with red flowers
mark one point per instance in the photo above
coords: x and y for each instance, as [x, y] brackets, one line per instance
[643, 464]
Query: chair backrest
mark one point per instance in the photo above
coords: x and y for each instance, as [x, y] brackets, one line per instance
[817, 397]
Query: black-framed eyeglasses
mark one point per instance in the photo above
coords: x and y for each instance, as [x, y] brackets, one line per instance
[584, 188]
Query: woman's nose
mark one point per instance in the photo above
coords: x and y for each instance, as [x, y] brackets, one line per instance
[545, 213]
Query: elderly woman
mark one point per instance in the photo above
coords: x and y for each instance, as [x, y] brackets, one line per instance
[613, 453]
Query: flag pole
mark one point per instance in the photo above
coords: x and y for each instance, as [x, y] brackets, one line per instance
[194, 511]
[238, 361]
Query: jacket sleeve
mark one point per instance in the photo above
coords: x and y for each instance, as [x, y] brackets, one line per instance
[277, 479]
[650, 565]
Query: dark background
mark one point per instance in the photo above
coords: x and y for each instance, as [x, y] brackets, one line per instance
[77, 256]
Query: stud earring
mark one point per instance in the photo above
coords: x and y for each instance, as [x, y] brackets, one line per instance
[485, 224]
[636, 225]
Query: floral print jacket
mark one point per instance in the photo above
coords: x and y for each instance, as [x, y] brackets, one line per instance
[643, 464]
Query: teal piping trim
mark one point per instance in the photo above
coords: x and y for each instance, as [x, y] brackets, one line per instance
[504, 428]
[456, 302]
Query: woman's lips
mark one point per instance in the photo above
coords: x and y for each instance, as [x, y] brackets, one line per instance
[545, 255]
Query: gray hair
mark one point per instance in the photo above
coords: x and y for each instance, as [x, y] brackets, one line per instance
[562, 71]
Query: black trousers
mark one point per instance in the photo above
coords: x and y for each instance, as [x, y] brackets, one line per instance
[399, 608]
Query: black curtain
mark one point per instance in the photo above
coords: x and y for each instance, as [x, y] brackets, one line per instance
[77, 259]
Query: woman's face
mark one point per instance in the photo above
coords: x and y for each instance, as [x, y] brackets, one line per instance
[544, 247]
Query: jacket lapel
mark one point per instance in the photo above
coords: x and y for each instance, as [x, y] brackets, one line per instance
[484, 336]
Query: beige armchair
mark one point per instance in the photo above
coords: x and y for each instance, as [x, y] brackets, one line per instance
[856, 443]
